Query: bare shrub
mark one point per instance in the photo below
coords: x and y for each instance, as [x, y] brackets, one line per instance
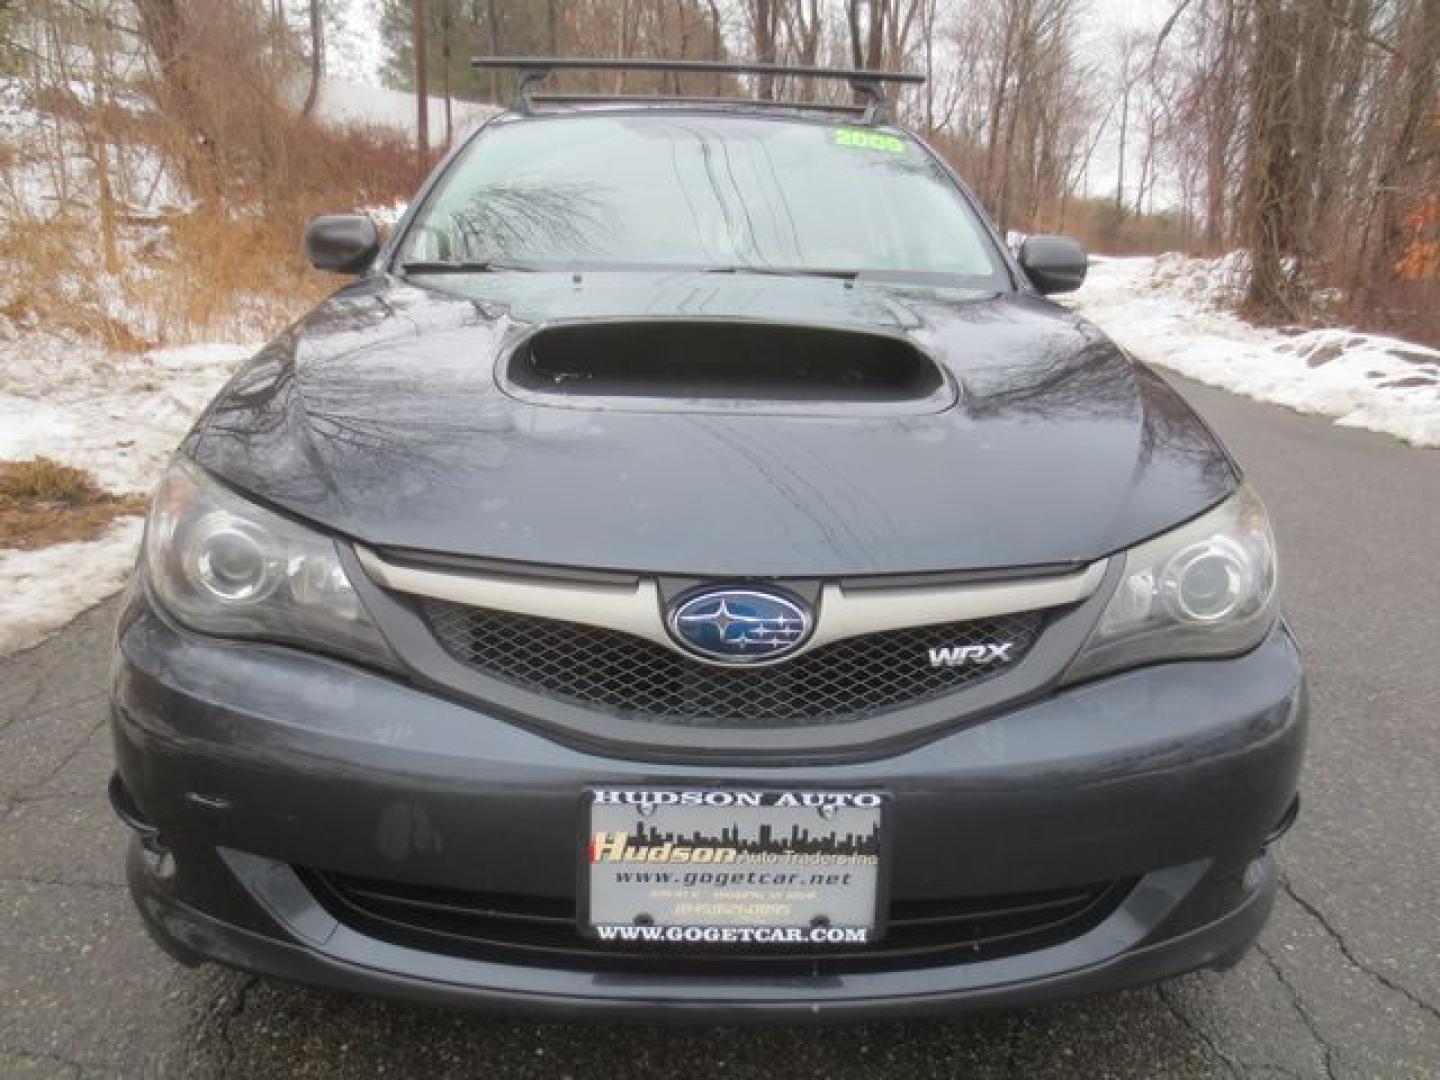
[43, 502]
[235, 264]
[256, 167]
[55, 283]
[41, 480]
[160, 194]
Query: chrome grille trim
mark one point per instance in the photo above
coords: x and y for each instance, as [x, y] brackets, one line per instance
[632, 610]
[638, 610]
[845, 614]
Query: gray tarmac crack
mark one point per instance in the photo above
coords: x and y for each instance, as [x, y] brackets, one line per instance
[1350, 955]
[71, 755]
[1298, 1004]
[23, 712]
[242, 998]
[40, 679]
[17, 709]
[1166, 992]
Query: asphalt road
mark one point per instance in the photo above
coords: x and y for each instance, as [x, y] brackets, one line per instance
[1346, 981]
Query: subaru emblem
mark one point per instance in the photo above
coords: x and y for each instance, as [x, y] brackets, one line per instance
[739, 626]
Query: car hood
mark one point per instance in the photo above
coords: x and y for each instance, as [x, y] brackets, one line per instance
[381, 416]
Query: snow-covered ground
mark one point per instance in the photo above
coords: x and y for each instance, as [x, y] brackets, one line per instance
[1169, 311]
[41, 591]
[118, 416]
[344, 103]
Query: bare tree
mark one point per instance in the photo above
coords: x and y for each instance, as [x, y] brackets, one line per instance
[446, 25]
[1270, 182]
[763, 18]
[317, 58]
[422, 84]
[1306, 131]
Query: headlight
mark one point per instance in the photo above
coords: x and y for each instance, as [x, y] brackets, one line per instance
[224, 566]
[1204, 589]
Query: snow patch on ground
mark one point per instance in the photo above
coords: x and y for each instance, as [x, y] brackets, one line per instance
[1213, 284]
[119, 417]
[388, 216]
[343, 103]
[40, 591]
[1172, 311]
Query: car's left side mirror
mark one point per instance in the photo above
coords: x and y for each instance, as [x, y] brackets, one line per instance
[1054, 264]
[342, 243]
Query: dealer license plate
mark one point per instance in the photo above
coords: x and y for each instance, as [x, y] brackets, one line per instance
[739, 868]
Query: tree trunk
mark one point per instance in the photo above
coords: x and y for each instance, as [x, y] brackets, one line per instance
[852, 17]
[422, 85]
[99, 140]
[1124, 133]
[717, 41]
[492, 21]
[763, 24]
[317, 58]
[993, 181]
[445, 23]
[1414, 102]
[1219, 102]
[1270, 195]
[929, 28]
[163, 28]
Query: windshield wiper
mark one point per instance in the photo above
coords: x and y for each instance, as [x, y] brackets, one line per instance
[485, 266]
[786, 271]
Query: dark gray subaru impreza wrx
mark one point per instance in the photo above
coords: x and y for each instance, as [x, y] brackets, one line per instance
[693, 571]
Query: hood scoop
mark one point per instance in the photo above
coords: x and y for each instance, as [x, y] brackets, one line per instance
[673, 364]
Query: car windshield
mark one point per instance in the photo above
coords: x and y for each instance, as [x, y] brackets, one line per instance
[701, 192]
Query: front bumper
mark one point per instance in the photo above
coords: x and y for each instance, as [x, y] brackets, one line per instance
[247, 763]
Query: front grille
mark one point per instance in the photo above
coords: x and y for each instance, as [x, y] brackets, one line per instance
[845, 680]
[520, 930]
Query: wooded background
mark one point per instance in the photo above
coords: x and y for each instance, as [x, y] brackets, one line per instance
[1306, 132]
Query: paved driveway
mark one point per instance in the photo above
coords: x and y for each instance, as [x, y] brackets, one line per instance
[1346, 981]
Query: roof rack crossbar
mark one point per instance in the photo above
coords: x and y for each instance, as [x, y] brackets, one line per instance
[844, 107]
[533, 69]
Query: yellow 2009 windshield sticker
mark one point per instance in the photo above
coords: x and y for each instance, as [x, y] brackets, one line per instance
[869, 140]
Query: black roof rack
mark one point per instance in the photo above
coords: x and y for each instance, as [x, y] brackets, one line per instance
[845, 107]
[533, 69]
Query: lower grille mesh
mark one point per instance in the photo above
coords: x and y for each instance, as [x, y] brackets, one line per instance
[845, 680]
[533, 930]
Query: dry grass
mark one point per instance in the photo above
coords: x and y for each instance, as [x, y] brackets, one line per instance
[52, 281]
[1102, 227]
[43, 502]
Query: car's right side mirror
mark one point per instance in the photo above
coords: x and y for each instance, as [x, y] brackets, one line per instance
[1054, 264]
[342, 243]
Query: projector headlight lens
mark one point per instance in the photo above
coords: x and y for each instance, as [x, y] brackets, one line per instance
[222, 565]
[1204, 589]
